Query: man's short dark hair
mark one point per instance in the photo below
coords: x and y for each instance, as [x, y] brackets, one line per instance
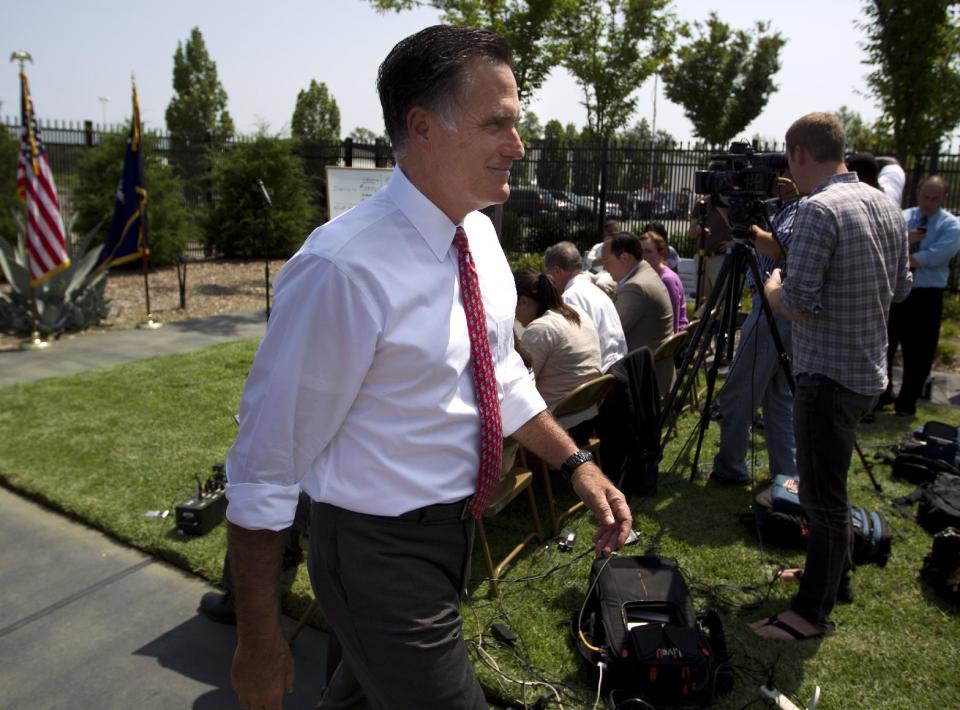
[866, 168]
[657, 228]
[563, 255]
[428, 69]
[611, 227]
[626, 242]
[821, 134]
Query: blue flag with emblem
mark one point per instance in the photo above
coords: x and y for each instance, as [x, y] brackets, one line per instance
[127, 238]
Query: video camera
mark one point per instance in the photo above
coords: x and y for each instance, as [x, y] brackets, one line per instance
[744, 182]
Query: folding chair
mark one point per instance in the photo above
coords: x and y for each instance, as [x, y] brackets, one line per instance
[515, 480]
[579, 400]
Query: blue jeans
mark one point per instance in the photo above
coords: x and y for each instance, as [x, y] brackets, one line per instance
[756, 378]
[826, 416]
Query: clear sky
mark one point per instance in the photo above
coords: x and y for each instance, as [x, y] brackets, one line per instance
[267, 51]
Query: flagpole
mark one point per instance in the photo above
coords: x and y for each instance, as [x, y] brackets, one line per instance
[149, 323]
[35, 342]
[136, 135]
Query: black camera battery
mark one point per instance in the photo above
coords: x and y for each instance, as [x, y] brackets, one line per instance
[201, 514]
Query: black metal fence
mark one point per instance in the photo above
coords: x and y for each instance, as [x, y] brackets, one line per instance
[560, 190]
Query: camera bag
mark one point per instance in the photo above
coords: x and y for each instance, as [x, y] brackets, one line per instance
[786, 523]
[871, 536]
[639, 620]
[779, 517]
[941, 568]
[927, 452]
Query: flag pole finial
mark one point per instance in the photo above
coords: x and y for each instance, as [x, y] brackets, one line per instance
[22, 56]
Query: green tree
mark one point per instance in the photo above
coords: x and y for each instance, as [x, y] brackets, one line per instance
[645, 157]
[529, 128]
[238, 221]
[199, 105]
[915, 49]
[862, 136]
[553, 166]
[585, 171]
[365, 135]
[528, 25]
[171, 223]
[724, 77]
[316, 117]
[611, 47]
[9, 203]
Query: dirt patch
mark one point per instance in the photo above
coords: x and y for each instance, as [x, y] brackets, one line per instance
[212, 288]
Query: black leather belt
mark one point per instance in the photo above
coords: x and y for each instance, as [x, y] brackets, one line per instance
[439, 512]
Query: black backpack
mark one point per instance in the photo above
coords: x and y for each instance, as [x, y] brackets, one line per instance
[919, 468]
[939, 500]
[638, 619]
[941, 568]
[927, 452]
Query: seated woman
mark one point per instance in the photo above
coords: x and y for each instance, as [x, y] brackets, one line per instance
[561, 341]
[655, 254]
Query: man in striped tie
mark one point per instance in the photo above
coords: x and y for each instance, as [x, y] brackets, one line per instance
[383, 389]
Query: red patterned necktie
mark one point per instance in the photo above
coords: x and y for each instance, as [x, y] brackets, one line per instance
[484, 379]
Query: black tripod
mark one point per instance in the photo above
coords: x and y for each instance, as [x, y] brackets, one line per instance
[718, 327]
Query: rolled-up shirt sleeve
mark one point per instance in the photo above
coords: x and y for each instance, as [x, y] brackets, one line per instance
[812, 247]
[520, 400]
[320, 342]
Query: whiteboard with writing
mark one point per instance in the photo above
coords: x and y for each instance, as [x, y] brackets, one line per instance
[348, 187]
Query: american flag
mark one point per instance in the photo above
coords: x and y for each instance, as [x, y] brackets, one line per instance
[46, 243]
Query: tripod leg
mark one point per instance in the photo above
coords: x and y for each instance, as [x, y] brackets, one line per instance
[867, 466]
[725, 288]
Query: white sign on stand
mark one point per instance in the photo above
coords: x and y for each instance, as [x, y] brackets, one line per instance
[348, 187]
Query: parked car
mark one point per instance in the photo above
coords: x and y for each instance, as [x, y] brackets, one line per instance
[624, 201]
[584, 204]
[530, 200]
[567, 205]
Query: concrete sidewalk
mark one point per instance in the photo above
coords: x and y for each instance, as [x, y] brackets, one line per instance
[88, 623]
[99, 351]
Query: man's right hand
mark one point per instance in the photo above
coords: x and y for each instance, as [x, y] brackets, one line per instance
[262, 671]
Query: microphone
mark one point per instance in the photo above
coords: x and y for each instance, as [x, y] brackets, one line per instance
[264, 194]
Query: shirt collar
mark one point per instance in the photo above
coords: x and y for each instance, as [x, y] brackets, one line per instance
[848, 176]
[431, 223]
[572, 282]
[632, 271]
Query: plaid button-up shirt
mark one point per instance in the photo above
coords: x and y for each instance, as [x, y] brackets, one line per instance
[848, 261]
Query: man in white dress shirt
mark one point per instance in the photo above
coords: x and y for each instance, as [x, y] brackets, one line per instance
[562, 263]
[363, 395]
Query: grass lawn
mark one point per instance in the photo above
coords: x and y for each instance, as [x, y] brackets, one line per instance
[106, 447]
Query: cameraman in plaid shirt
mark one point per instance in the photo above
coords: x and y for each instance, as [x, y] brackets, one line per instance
[847, 264]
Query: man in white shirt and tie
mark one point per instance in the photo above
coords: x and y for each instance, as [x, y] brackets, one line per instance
[381, 384]
[562, 263]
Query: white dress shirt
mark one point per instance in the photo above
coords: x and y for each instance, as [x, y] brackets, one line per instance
[582, 293]
[361, 392]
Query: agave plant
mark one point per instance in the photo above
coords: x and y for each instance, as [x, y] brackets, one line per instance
[72, 299]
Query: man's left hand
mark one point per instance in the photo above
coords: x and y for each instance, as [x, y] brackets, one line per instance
[609, 507]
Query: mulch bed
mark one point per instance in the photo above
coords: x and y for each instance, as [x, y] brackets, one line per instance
[212, 288]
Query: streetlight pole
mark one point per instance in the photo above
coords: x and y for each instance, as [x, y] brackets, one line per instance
[104, 100]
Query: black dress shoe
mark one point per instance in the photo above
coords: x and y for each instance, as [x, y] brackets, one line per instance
[219, 607]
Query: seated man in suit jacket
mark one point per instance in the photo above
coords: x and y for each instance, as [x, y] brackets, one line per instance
[643, 302]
